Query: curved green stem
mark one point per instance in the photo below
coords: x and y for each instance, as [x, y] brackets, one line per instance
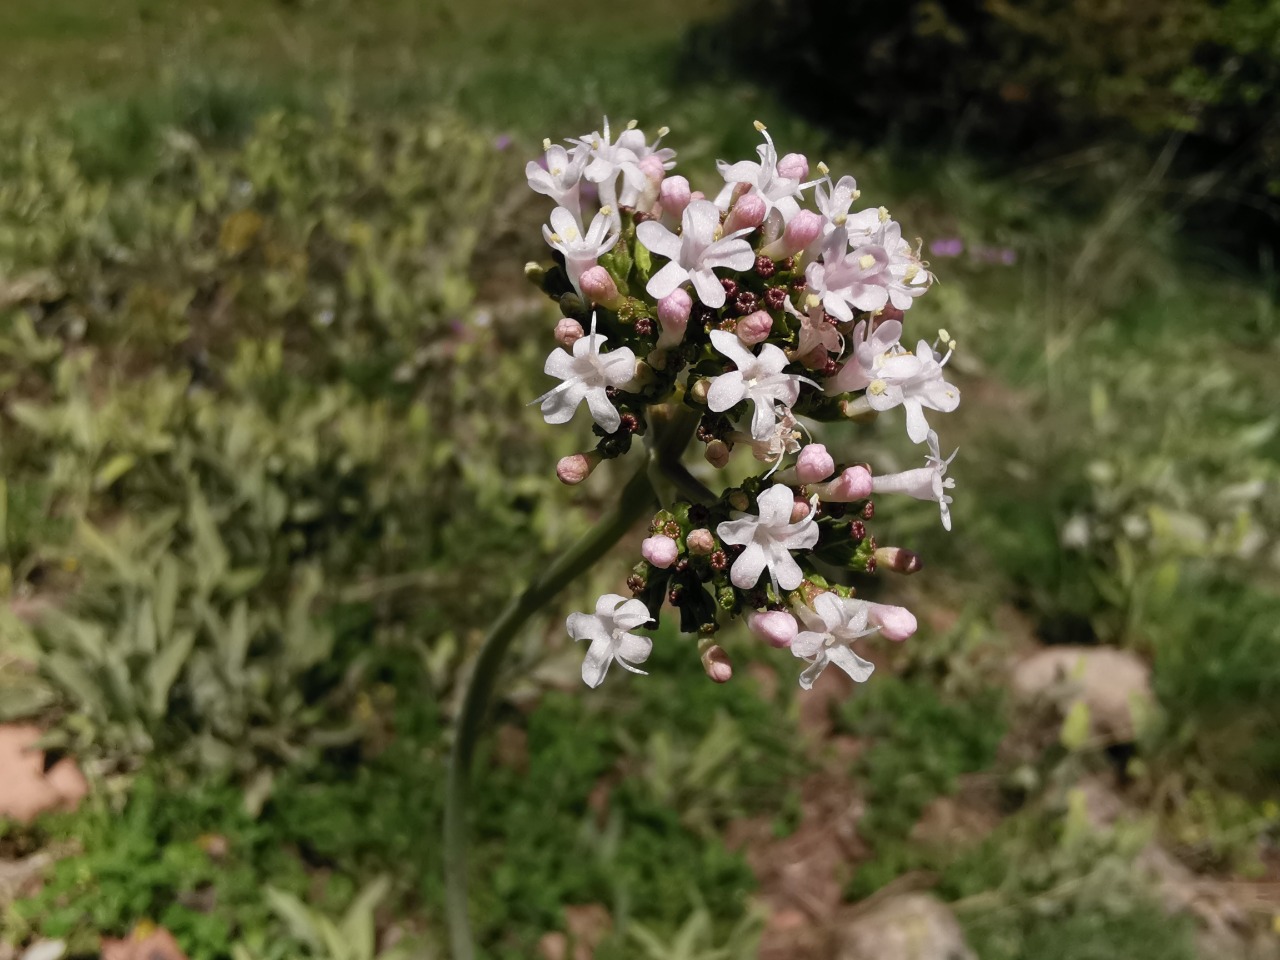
[673, 426]
[637, 499]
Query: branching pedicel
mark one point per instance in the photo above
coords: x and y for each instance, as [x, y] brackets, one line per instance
[752, 312]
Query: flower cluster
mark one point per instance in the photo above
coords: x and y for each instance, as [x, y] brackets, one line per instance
[755, 313]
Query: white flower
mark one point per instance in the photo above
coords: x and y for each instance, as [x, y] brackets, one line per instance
[605, 160]
[872, 351]
[769, 539]
[923, 483]
[777, 191]
[783, 439]
[817, 338]
[587, 373]
[908, 277]
[834, 623]
[848, 281]
[607, 629]
[916, 387]
[633, 189]
[580, 250]
[758, 378]
[560, 179]
[695, 253]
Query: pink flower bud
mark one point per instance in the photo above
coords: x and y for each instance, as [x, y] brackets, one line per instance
[747, 213]
[896, 623]
[697, 195]
[794, 166]
[754, 327]
[673, 316]
[661, 551]
[804, 228]
[716, 663]
[568, 332]
[853, 484]
[674, 196]
[700, 542]
[814, 464]
[651, 166]
[577, 467]
[799, 510]
[717, 454]
[898, 559]
[598, 285]
[775, 627]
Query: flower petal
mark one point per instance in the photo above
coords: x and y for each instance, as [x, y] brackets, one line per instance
[596, 663]
[666, 280]
[726, 390]
[850, 663]
[633, 649]
[630, 615]
[558, 405]
[659, 239]
[708, 288]
[738, 532]
[603, 412]
[583, 626]
[746, 570]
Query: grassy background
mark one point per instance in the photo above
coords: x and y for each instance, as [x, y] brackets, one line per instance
[1118, 378]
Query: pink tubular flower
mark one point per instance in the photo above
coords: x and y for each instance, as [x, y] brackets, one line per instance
[854, 484]
[814, 464]
[598, 286]
[747, 214]
[660, 551]
[754, 328]
[775, 627]
[803, 229]
[673, 316]
[568, 332]
[794, 166]
[674, 196]
[580, 250]
[895, 623]
[575, 468]
[717, 665]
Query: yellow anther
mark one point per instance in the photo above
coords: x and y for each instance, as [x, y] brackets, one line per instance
[884, 214]
[607, 210]
[812, 300]
[759, 126]
[856, 194]
[943, 335]
[557, 171]
[823, 168]
[839, 221]
[555, 238]
[719, 233]
[911, 273]
[663, 131]
[866, 261]
[951, 345]
[877, 387]
[632, 124]
[546, 143]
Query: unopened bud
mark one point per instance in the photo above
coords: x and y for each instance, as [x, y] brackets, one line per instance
[775, 627]
[674, 196]
[699, 390]
[716, 663]
[700, 542]
[898, 559]
[577, 467]
[853, 484]
[568, 332]
[651, 166]
[896, 623]
[754, 327]
[660, 551]
[673, 315]
[748, 213]
[794, 166]
[597, 284]
[805, 227]
[535, 273]
[799, 510]
[814, 464]
[697, 195]
[717, 454]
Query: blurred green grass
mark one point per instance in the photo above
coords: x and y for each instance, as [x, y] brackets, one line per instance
[1117, 372]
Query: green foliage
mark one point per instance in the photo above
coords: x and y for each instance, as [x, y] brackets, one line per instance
[921, 741]
[244, 395]
[1041, 887]
[189, 860]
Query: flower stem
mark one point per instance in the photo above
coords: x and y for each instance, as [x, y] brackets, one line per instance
[636, 500]
[673, 426]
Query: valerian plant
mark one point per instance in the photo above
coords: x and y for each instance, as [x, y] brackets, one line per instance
[733, 317]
